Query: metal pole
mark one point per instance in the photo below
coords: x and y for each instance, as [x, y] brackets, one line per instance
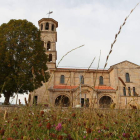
[80, 92]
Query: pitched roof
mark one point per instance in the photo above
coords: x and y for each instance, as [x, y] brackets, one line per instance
[124, 62]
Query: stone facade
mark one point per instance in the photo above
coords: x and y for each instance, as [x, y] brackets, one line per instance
[120, 84]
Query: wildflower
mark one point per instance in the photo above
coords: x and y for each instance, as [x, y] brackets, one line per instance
[126, 135]
[73, 115]
[88, 130]
[10, 139]
[60, 137]
[48, 126]
[69, 137]
[15, 118]
[53, 135]
[79, 124]
[85, 131]
[58, 127]
[69, 120]
[134, 138]
[84, 124]
[42, 113]
[105, 128]
[133, 106]
[40, 125]
[84, 137]
[2, 132]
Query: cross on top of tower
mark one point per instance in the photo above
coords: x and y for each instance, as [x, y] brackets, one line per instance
[50, 12]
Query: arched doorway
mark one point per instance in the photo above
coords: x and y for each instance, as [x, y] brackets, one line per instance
[62, 101]
[105, 102]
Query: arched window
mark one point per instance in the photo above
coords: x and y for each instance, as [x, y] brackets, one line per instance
[81, 79]
[50, 57]
[124, 91]
[129, 91]
[62, 79]
[52, 27]
[101, 81]
[41, 26]
[127, 77]
[134, 91]
[35, 100]
[47, 26]
[48, 45]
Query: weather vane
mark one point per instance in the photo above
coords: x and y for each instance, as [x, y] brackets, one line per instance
[50, 12]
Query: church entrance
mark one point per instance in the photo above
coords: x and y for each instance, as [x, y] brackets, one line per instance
[62, 101]
[105, 102]
[84, 102]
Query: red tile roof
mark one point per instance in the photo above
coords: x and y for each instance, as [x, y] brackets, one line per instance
[73, 87]
[104, 87]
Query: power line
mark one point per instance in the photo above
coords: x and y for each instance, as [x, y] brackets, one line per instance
[74, 67]
[78, 67]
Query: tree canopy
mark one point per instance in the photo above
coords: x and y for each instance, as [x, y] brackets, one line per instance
[22, 58]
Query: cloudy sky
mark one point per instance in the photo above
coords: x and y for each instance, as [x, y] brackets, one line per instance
[93, 23]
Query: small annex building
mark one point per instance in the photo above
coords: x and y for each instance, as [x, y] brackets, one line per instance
[120, 84]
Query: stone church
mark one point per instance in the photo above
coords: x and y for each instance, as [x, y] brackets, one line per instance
[120, 84]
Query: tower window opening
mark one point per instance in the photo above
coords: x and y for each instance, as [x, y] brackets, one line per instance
[47, 26]
[101, 80]
[48, 45]
[81, 79]
[127, 77]
[129, 91]
[62, 79]
[124, 91]
[134, 91]
[41, 26]
[50, 57]
[52, 27]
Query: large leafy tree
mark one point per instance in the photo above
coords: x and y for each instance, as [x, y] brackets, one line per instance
[22, 58]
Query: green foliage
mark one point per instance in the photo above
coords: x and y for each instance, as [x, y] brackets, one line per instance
[21, 50]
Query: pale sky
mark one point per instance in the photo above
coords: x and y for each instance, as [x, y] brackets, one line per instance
[93, 23]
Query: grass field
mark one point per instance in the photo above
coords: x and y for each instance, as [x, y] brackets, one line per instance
[37, 123]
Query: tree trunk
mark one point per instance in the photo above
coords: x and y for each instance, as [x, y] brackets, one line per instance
[7, 97]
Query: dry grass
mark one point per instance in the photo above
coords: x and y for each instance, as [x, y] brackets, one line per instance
[70, 124]
[117, 34]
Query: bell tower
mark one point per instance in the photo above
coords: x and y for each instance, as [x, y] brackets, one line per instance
[47, 28]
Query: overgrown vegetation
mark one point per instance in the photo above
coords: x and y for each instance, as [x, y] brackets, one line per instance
[70, 124]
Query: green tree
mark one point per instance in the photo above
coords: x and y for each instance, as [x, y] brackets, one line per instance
[22, 55]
